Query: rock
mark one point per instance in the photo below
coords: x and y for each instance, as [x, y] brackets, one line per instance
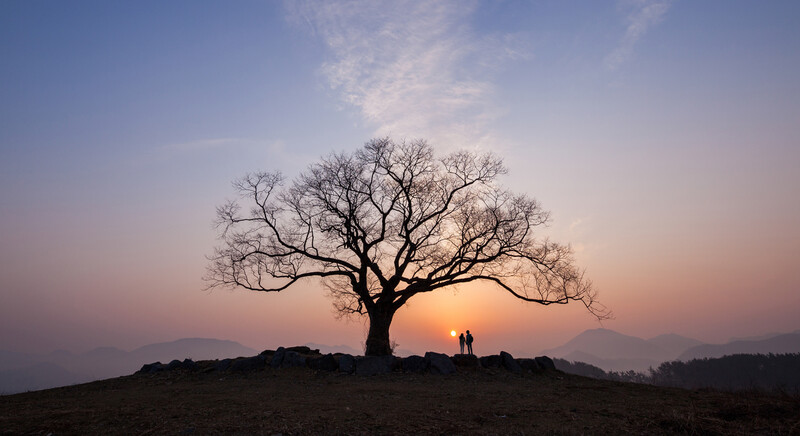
[277, 358]
[173, 365]
[492, 361]
[373, 365]
[415, 364]
[249, 364]
[440, 363]
[509, 363]
[189, 365]
[529, 365]
[466, 360]
[323, 363]
[292, 359]
[223, 365]
[151, 368]
[302, 349]
[545, 363]
[347, 363]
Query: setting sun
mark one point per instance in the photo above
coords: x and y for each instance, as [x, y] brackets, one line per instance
[452, 332]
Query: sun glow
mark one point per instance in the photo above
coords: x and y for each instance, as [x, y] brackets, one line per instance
[452, 332]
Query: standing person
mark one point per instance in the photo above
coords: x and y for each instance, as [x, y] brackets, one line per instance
[461, 342]
[469, 342]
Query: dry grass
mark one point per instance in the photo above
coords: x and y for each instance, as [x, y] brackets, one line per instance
[301, 401]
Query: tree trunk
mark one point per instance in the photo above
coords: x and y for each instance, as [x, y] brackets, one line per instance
[378, 343]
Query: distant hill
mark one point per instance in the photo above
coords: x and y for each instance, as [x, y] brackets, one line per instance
[619, 365]
[780, 344]
[37, 376]
[21, 372]
[615, 348]
[193, 348]
[673, 344]
[613, 351]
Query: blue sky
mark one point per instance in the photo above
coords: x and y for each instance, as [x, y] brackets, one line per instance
[663, 136]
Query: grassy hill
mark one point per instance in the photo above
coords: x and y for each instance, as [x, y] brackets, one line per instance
[302, 401]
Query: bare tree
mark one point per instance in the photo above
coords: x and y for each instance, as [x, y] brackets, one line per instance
[388, 222]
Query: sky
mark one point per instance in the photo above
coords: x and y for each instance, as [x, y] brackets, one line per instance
[663, 136]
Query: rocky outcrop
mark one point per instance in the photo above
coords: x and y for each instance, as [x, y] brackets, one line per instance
[293, 359]
[223, 365]
[323, 363]
[373, 365]
[347, 364]
[248, 364]
[509, 362]
[416, 364]
[277, 357]
[302, 349]
[546, 363]
[305, 357]
[466, 360]
[440, 363]
[151, 368]
[529, 365]
[186, 364]
[492, 361]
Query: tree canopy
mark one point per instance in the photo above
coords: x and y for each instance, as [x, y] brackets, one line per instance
[388, 222]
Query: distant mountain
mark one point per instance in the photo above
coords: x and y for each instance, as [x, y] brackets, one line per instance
[21, 372]
[192, 348]
[608, 344]
[14, 360]
[780, 344]
[619, 365]
[674, 344]
[613, 351]
[41, 375]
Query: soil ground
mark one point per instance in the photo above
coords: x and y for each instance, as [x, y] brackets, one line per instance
[302, 401]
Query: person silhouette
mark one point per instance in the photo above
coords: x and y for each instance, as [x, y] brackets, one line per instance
[461, 342]
[469, 342]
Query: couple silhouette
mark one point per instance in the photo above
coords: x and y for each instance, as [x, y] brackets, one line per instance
[465, 340]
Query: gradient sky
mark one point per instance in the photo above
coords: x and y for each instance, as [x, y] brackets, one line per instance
[664, 137]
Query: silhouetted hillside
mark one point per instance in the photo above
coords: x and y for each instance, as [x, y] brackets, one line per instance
[305, 401]
[780, 344]
[770, 372]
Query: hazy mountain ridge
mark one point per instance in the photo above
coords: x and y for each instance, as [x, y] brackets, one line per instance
[613, 351]
[610, 345]
[779, 344]
[21, 371]
[638, 364]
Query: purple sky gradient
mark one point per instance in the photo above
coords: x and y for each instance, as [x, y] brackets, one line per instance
[664, 136]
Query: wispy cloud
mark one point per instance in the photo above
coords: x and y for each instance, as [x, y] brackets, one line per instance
[641, 16]
[411, 68]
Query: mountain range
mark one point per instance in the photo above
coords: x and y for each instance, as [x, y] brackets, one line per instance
[21, 372]
[613, 351]
[606, 349]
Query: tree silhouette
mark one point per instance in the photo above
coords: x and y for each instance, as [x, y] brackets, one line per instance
[388, 222]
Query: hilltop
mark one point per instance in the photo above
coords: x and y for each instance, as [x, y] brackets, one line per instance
[303, 401]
